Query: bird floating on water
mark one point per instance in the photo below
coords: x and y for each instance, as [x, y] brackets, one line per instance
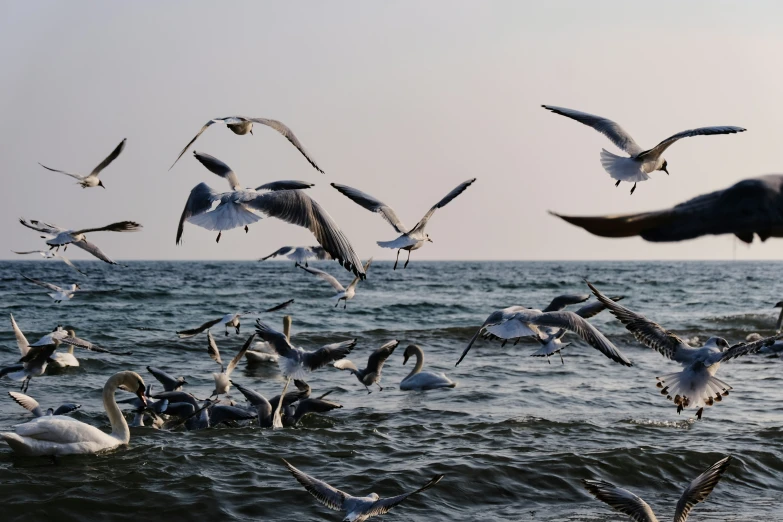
[422, 380]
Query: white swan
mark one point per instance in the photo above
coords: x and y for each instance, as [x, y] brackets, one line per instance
[419, 380]
[61, 435]
[63, 360]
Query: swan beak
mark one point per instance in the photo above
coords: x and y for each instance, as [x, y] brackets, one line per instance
[405, 359]
[140, 394]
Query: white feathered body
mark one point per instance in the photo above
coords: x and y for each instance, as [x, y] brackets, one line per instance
[231, 212]
[58, 435]
[623, 168]
[695, 384]
[426, 380]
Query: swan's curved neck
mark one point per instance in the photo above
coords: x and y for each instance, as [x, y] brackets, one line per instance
[419, 361]
[70, 349]
[119, 427]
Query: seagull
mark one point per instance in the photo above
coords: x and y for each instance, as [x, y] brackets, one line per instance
[260, 403]
[357, 509]
[412, 239]
[372, 373]
[31, 405]
[169, 382]
[51, 254]
[57, 236]
[232, 319]
[552, 343]
[626, 502]
[696, 385]
[91, 180]
[517, 321]
[237, 208]
[64, 294]
[296, 362]
[263, 352]
[751, 206]
[222, 381]
[242, 125]
[308, 406]
[32, 364]
[300, 255]
[640, 163]
[343, 294]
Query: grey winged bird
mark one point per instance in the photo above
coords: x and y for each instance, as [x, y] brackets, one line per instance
[169, 382]
[639, 163]
[240, 206]
[638, 510]
[57, 236]
[371, 374]
[300, 255]
[242, 125]
[696, 385]
[343, 294]
[229, 320]
[51, 254]
[31, 405]
[91, 180]
[356, 509]
[222, 379]
[412, 239]
[751, 206]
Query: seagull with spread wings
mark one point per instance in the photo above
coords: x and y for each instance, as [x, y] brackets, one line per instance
[51, 254]
[300, 255]
[357, 509]
[232, 320]
[57, 236]
[31, 405]
[412, 239]
[91, 180]
[696, 385]
[343, 294]
[242, 125]
[626, 502]
[222, 379]
[64, 294]
[639, 163]
[283, 200]
[371, 374]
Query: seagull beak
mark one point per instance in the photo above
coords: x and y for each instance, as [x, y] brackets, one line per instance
[665, 170]
[100, 184]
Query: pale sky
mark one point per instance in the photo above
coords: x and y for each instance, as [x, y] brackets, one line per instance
[403, 100]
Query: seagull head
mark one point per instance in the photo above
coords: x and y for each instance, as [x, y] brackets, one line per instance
[779, 304]
[428, 238]
[664, 166]
[76, 286]
[718, 342]
[100, 184]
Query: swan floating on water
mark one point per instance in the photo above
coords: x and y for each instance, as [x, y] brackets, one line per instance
[419, 380]
[62, 435]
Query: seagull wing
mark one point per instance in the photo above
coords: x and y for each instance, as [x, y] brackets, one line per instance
[44, 284]
[238, 357]
[279, 252]
[21, 340]
[373, 205]
[40, 226]
[182, 334]
[93, 249]
[69, 263]
[278, 340]
[286, 184]
[223, 413]
[383, 505]
[252, 396]
[621, 500]
[589, 333]
[168, 381]
[120, 226]
[323, 275]
[645, 331]
[738, 350]
[66, 408]
[561, 301]
[289, 135]
[379, 356]
[323, 492]
[306, 406]
[200, 200]
[442, 203]
[701, 487]
[356, 279]
[205, 127]
[213, 351]
[701, 131]
[216, 166]
[608, 128]
[297, 208]
[111, 157]
[27, 402]
[326, 354]
[280, 306]
[320, 253]
[75, 176]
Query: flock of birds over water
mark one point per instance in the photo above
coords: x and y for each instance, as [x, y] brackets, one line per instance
[752, 206]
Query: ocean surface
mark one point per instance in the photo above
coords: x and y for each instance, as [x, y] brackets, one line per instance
[514, 438]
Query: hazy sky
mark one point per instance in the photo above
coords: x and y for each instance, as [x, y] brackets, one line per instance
[403, 100]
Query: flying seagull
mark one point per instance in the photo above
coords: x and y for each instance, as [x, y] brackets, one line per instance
[64, 294]
[639, 163]
[238, 208]
[695, 386]
[91, 180]
[343, 294]
[752, 206]
[357, 509]
[222, 379]
[517, 321]
[232, 319]
[242, 125]
[371, 374]
[626, 502]
[412, 239]
[58, 236]
[51, 254]
[300, 254]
